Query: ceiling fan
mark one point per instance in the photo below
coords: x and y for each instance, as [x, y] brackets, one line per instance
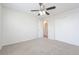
[43, 10]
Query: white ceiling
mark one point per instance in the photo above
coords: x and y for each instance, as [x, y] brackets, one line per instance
[26, 7]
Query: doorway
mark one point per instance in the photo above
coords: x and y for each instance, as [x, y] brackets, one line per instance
[45, 29]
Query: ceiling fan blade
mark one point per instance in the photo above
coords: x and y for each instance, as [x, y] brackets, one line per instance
[51, 8]
[40, 4]
[47, 13]
[34, 10]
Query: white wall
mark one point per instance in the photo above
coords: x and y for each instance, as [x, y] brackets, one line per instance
[18, 26]
[66, 26]
[0, 26]
[40, 26]
[51, 26]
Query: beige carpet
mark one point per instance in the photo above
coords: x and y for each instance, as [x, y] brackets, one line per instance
[40, 47]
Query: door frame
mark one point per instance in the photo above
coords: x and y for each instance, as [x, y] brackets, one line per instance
[45, 28]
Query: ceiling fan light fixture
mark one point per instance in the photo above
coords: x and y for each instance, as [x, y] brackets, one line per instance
[42, 12]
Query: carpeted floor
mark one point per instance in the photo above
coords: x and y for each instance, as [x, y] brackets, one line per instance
[40, 47]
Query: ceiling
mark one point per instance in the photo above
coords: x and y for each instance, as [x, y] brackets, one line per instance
[26, 7]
